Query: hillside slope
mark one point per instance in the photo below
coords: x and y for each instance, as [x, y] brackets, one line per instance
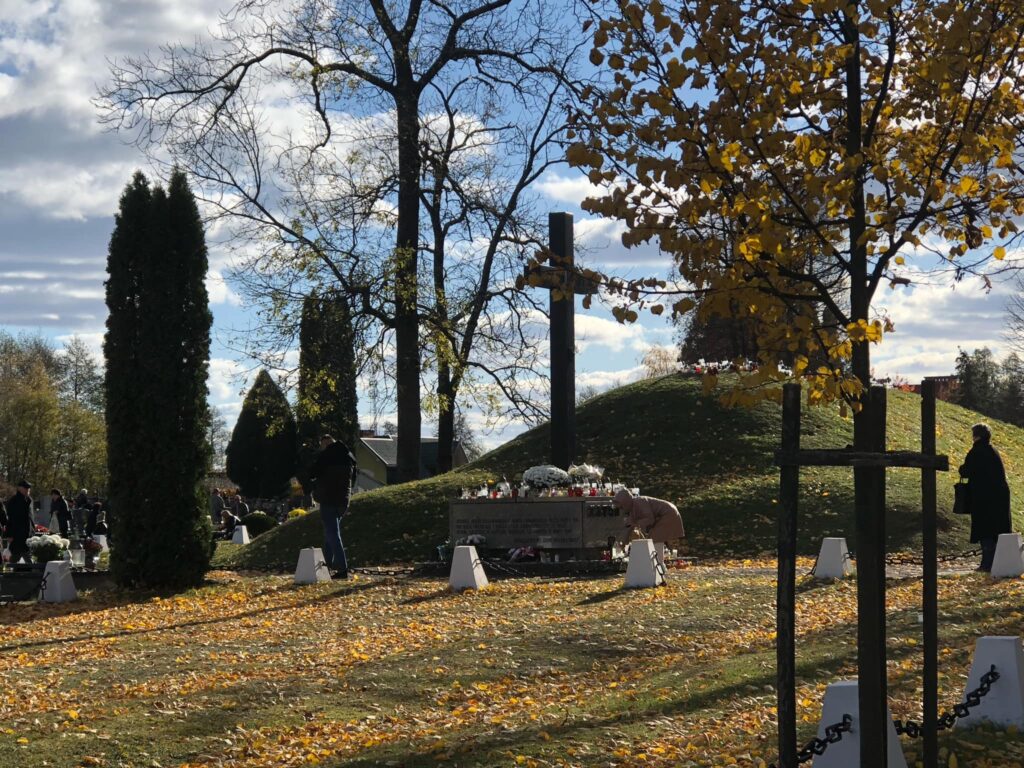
[671, 440]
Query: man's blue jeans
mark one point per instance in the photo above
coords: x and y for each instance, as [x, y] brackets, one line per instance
[334, 550]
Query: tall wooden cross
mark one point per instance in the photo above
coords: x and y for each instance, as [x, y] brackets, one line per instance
[563, 282]
[869, 504]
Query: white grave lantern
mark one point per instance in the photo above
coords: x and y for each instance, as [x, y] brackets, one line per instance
[841, 699]
[241, 535]
[312, 567]
[1008, 562]
[1004, 703]
[467, 570]
[644, 569]
[59, 586]
[833, 560]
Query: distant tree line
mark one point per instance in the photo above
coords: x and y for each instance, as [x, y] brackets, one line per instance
[990, 387]
[51, 414]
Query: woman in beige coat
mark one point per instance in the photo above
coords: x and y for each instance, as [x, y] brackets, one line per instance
[659, 520]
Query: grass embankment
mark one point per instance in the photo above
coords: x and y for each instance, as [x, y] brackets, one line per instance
[673, 441]
[252, 672]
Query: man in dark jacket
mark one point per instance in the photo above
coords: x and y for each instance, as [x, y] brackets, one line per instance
[59, 507]
[988, 494]
[19, 517]
[332, 474]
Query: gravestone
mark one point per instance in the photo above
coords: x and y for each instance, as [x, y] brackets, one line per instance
[240, 535]
[1008, 562]
[311, 567]
[1004, 703]
[833, 560]
[59, 586]
[643, 571]
[467, 570]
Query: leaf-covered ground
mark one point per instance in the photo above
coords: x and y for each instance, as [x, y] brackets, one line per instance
[676, 442]
[253, 671]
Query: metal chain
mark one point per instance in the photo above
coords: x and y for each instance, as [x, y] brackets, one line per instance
[905, 559]
[500, 567]
[408, 570]
[816, 747]
[948, 719]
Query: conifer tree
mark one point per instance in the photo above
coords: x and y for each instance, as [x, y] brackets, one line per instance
[261, 453]
[157, 355]
[327, 400]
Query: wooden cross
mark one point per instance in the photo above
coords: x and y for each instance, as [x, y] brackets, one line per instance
[870, 467]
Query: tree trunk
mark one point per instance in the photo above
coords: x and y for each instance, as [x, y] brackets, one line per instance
[407, 350]
[445, 418]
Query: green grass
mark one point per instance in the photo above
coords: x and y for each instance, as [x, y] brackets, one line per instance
[675, 442]
[253, 672]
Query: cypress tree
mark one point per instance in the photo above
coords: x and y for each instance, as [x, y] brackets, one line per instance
[157, 349]
[327, 399]
[261, 453]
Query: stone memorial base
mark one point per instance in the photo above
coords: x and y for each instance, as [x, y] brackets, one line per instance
[1004, 703]
[311, 568]
[240, 535]
[1008, 562]
[833, 560]
[467, 570]
[59, 586]
[841, 699]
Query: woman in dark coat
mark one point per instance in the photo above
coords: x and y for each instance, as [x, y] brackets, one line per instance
[988, 494]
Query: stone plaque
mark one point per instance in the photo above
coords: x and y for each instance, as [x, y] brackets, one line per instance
[601, 520]
[550, 524]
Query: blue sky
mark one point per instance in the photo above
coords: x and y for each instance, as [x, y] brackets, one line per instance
[61, 175]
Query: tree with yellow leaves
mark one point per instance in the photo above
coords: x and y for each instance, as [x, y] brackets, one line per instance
[792, 154]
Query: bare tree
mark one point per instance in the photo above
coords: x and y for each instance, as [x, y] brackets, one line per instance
[230, 111]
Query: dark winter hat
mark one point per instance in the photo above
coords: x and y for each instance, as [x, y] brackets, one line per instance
[24, 484]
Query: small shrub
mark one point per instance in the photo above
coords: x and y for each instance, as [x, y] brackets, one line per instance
[258, 522]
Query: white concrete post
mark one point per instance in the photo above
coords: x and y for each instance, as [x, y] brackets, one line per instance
[643, 571]
[833, 560]
[841, 699]
[311, 567]
[467, 571]
[1004, 703]
[241, 535]
[1008, 562]
[59, 586]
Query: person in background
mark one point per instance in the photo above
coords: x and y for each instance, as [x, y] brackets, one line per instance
[90, 523]
[59, 507]
[988, 494]
[228, 523]
[216, 506]
[332, 474]
[80, 510]
[238, 506]
[657, 519]
[19, 516]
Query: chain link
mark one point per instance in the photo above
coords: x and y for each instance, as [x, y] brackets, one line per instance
[408, 570]
[816, 747]
[948, 719]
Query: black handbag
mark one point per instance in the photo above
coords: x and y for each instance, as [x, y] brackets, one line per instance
[960, 498]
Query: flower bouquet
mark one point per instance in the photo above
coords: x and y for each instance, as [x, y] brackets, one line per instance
[586, 473]
[546, 476]
[47, 547]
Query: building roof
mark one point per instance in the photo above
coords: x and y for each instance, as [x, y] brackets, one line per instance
[386, 449]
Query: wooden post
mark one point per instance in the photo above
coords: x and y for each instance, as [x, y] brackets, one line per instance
[871, 673]
[785, 596]
[930, 586]
[563, 341]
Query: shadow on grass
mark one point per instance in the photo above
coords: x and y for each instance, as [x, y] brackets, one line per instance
[603, 597]
[349, 589]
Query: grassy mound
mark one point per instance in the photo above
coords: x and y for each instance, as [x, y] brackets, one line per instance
[673, 441]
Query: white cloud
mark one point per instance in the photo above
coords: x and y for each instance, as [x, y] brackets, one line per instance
[219, 291]
[568, 189]
[603, 380]
[593, 331]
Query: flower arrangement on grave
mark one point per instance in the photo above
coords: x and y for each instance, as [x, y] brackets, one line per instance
[546, 476]
[588, 473]
[47, 547]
